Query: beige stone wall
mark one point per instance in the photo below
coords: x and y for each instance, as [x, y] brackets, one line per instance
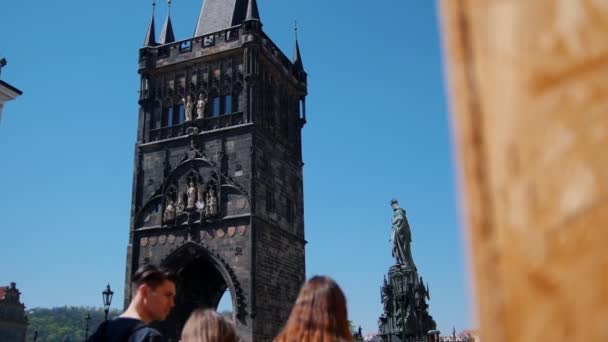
[528, 82]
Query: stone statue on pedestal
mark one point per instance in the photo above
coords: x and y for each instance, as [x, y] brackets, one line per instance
[188, 106]
[169, 212]
[401, 237]
[200, 203]
[211, 208]
[180, 202]
[403, 294]
[200, 106]
[191, 195]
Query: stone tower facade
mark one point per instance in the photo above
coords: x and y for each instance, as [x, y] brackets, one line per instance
[217, 188]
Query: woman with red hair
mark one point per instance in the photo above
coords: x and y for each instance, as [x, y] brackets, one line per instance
[319, 314]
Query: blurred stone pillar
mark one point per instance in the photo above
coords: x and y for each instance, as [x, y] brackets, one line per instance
[528, 82]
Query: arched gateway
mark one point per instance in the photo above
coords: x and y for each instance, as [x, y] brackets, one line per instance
[217, 193]
[203, 278]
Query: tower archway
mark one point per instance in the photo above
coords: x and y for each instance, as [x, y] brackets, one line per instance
[202, 280]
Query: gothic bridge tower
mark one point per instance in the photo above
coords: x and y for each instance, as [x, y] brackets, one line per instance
[217, 185]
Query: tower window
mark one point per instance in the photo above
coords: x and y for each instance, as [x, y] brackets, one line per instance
[208, 40]
[227, 104]
[185, 46]
[222, 105]
[167, 117]
[216, 107]
[232, 34]
[181, 113]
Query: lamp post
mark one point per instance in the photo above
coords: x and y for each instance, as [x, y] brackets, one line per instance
[107, 300]
[87, 318]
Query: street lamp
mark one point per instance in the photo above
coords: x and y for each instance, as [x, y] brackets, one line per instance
[87, 318]
[107, 300]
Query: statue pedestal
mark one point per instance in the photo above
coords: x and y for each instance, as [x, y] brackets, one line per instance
[405, 309]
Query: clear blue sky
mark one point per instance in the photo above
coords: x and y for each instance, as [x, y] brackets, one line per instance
[378, 128]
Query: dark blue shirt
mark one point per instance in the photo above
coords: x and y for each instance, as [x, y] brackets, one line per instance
[126, 330]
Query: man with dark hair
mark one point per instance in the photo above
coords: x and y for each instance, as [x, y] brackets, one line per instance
[153, 291]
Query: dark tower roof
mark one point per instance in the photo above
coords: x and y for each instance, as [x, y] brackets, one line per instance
[151, 34]
[297, 58]
[166, 35]
[252, 10]
[217, 15]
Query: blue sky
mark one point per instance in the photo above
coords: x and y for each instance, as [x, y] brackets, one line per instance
[378, 128]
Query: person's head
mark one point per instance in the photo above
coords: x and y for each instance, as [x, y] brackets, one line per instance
[208, 326]
[153, 291]
[318, 315]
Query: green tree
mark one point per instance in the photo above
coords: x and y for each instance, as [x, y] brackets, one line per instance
[64, 323]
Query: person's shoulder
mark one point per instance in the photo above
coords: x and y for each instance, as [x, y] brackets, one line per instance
[146, 333]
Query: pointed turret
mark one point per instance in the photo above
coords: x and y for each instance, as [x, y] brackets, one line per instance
[297, 58]
[151, 34]
[166, 35]
[252, 11]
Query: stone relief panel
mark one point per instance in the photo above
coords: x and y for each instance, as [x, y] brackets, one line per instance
[194, 192]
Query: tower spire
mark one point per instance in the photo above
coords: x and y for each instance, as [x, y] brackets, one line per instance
[151, 34]
[297, 58]
[166, 35]
[252, 11]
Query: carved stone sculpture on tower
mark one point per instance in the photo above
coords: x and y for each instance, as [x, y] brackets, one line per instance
[200, 202]
[211, 208]
[401, 237]
[188, 105]
[191, 195]
[200, 106]
[169, 215]
[180, 202]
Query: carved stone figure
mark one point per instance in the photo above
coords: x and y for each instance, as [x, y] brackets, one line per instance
[200, 203]
[188, 105]
[191, 195]
[180, 202]
[200, 106]
[387, 299]
[211, 203]
[169, 215]
[401, 237]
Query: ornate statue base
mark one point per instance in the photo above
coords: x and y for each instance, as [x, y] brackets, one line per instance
[405, 317]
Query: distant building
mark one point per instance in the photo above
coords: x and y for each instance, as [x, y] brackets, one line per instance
[463, 336]
[7, 91]
[372, 338]
[13, 321]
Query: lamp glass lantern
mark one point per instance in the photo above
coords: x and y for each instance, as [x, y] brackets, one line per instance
[107, 295]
